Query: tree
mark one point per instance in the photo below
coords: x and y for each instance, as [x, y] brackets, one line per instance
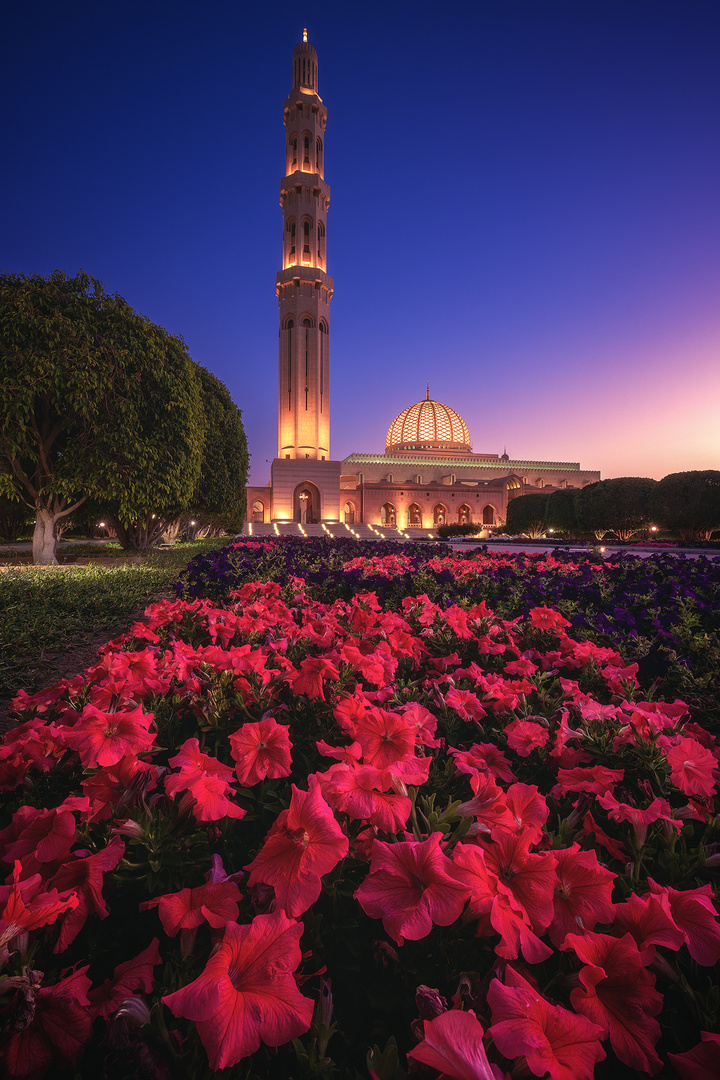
[560, 511]
[96, 401]
[620, 506]
[688, 503]
[219, 499]
[526, 514]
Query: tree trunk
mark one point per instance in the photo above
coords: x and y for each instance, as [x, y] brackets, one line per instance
[45, 538]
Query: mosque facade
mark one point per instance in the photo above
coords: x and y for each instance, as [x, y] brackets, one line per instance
[429, 474]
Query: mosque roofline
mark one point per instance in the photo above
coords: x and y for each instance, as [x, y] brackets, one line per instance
[466, 462]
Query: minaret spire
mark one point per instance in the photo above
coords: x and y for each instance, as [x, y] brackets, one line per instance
[303, 286]
[427, 392]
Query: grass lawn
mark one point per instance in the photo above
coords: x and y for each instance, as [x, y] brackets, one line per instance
[45, 611]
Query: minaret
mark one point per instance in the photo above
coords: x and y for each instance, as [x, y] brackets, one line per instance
[303, 287]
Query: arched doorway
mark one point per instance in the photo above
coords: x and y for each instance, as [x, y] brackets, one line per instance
[349, 513]
[464, 515]
[387, 514]
[488, 515]
[414, 516]
[306, 503]
[439, 515]
[258, 512]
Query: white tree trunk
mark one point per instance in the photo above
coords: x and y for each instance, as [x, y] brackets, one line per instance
[45, 538]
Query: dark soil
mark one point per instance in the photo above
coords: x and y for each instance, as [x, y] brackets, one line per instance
[50, 668]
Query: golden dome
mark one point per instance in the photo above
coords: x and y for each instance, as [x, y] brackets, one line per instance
[428, 425]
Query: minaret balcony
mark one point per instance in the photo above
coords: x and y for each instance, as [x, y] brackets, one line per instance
[312, 275]
[311, 180]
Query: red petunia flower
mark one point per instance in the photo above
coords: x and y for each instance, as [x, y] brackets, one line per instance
[59, 1026]
[700, 1063]
[361, 791]
[314, 672]
[103, 738]
[304, 843]
[216, 904]
[453, 1043]
[649, 922]
[465, 704]
[543, 618]
[207, 780]
[385, 737]
[524, 736]
[261, 751]
[619, 994]
[247, 994]
[83, 876]
[411, 886]
[583, 894]
[553, 1040]
[528, 877]
[694, 768]
[131, 975]
[24, 907]
[694, 913]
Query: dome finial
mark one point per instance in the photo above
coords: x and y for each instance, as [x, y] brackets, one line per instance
[427, 392]
[304, 33]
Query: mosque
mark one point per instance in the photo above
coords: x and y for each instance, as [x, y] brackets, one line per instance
[428, 475]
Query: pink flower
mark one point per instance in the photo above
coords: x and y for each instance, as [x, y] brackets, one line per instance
[216, 904]
[385, 737]
[207, 780]
[583, 894]
[553, 1040]
[131, 975]
[314, 671]
[83, 876]
[58, 1028]
[247, 994]
[261, 751]
[619, 995]
[694, 769]
[410, 886]
[543, 618]
[453, 1044]
[305, 843]
[524, 736]
[103, 738]
[700, 1063]
[694, 913]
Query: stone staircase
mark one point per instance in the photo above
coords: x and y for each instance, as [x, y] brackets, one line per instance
[358, 532]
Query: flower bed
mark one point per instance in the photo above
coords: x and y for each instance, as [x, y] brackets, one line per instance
[361, 808]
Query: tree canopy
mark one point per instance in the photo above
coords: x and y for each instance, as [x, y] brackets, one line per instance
[526, 514]
[620, 506]
[560, 511]
[688, 503]
[96, 401]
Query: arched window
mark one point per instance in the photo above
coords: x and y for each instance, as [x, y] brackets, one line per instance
[306, 241]
[488, 515]
[321, 242]
[464, 515]
[387, 514]
[290, 230]
[258, 512]
[306, 151]
[414, 516]
[293, 151]
[349, 513]
[307, 321]
[318, 155]
[439, 515]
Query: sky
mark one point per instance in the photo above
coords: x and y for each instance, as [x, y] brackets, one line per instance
[525, 205]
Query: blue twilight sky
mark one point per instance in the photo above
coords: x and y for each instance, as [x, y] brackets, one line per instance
[525, 205]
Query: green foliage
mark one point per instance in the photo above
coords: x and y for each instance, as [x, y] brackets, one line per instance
[96, 400]
[560, 511]
[219, 497]
[620, 506]
[688, 503]
[526, 514]
[444, 531]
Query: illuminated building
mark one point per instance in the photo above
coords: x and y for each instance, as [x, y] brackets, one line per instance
[428, 474]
